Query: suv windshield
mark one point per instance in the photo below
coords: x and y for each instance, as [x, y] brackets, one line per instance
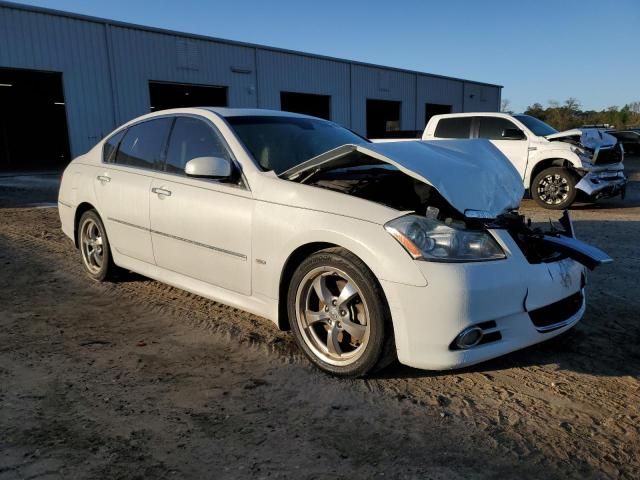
[538, 127]
[278, 143]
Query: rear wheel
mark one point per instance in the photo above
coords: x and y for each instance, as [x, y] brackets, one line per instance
[554, 188]
[94, 247]
[338, 314]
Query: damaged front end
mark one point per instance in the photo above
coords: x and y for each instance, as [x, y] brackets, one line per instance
[601, 156]
[453, 194]
[557, 241]
[439, 238]
[524, 288]
[603, 184]
[594, 146]
[494, 281]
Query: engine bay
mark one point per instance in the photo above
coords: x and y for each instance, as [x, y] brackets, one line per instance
[386, 185]
[365, 177]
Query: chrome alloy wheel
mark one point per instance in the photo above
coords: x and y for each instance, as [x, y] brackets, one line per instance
[553, 189]
[332, 316]
[92, 245]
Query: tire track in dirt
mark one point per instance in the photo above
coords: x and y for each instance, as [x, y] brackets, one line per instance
[215, 317]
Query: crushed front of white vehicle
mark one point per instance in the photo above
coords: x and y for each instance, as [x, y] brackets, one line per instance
[493, 283]
[528, 289]
[599, 162]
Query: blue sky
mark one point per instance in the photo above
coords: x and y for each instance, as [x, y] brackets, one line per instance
[539, 50]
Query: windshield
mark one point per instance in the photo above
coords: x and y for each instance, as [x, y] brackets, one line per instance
[538, 127]
[278, 143]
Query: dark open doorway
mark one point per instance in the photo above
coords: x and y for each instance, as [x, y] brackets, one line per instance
[33, 121]
[307, 103]
[383, 118]
[431, 109]
[176, 95]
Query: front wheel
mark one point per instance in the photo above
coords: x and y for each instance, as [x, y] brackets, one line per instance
[338, 314]
[554, 188]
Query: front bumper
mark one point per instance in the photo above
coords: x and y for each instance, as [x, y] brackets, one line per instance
[498, 295]
[603, 184]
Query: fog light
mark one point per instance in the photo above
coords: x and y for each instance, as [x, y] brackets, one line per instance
[469, 338]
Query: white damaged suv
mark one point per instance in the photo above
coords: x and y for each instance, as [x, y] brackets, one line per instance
[556, 167]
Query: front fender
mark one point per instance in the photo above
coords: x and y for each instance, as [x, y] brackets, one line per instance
[559, 154]
[297, 227]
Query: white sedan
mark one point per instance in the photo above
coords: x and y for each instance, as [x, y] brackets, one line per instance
[368, 252]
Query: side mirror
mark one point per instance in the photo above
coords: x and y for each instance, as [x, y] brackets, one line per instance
[208, 167]
[513, 134]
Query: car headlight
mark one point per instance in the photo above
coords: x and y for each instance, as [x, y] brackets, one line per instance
[433, 240]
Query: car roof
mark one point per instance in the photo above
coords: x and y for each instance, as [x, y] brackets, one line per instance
[252, 112]
[475, 114]
[223, 112]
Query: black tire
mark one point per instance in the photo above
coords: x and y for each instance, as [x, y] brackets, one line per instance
[373, 354]
[554, 188]
[105, 269]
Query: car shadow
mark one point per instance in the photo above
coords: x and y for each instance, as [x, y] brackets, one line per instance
[631, 200]
[571, 351]
[127, 276]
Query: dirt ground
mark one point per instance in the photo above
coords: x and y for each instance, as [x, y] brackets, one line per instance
[136, 379]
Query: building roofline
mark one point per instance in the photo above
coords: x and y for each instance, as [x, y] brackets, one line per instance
[118, 23]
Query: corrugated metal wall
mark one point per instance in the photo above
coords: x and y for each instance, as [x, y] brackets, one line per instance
[140, 56]
[437, 90]
[382, 84]
[481, 98]
[107, 67]
[279, 72]
[77, 49]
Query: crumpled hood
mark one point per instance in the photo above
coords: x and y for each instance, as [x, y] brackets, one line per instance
[588, 137]
[472, 175]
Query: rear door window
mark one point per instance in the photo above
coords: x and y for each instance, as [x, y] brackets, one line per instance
[459, 127]
[192, 138]
[144, 144]
[492, 127]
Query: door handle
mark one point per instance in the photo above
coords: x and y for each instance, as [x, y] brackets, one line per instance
[104, 178]
[533, 149]
[161, 192]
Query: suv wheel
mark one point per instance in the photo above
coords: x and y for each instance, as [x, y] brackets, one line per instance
[554, 188]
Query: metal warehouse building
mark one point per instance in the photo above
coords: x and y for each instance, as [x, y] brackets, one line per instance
[66, 80]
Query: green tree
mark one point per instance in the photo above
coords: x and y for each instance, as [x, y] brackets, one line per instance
[536, 110]
[568, 114]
